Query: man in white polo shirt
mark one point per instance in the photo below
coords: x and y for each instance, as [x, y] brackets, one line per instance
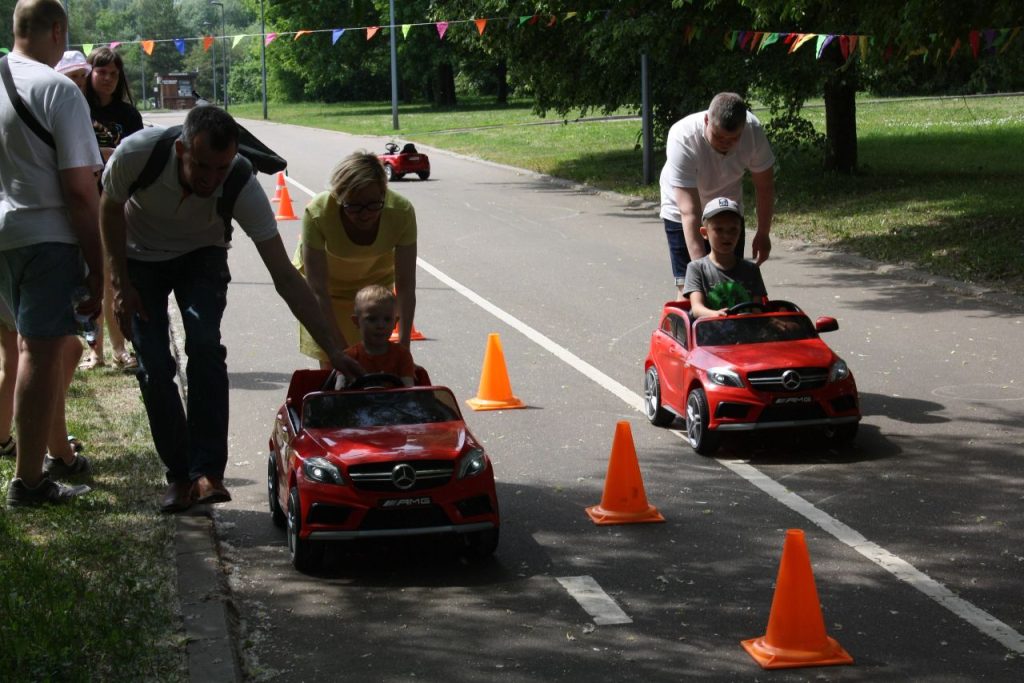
[707, 154]
[168, 237]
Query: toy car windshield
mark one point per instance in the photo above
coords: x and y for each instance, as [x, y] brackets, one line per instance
[356, 410]
[753, 330]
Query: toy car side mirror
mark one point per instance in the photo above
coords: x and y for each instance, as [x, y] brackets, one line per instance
[826, 324]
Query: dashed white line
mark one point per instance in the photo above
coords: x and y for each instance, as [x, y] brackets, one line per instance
[594, 601]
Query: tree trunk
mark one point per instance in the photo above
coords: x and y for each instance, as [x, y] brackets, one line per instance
[501, 97]
[445, 90]
[841, 116]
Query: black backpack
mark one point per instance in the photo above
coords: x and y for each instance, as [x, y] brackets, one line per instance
[256, 158]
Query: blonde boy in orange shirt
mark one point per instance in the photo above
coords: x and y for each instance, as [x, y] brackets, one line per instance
[375, 317]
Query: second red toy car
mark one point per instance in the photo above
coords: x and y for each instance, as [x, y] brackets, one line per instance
[763, 366]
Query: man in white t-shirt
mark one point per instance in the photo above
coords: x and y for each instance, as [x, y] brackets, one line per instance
[169, 237]
[48, 226]
[707, 155]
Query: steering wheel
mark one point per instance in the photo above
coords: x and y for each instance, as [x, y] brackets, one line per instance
[330, 384]
[781, 306]
[391, 148]
[377, 380]
[746, 307]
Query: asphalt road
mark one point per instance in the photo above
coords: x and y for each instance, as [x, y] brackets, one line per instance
[915, 533]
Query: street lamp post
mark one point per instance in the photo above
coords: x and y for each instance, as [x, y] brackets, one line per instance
[263, 58]
[224, 37]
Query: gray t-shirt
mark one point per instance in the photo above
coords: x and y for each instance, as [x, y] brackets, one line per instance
[722, 288]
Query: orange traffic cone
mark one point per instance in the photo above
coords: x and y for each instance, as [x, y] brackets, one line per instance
[284, 209]
[796, 628]
[495, 392]
[280, 187]
[624, 500]
[415, 335]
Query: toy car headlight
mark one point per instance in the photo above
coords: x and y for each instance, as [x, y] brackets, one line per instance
[724, 377]
[838, 371]
[473, 463]
[322, 470]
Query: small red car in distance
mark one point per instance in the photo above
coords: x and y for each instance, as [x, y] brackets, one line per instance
[376, 459]
[400, 162]
[762, 366]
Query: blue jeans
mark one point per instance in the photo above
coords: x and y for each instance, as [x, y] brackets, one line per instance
[680, 255]
[192, 440]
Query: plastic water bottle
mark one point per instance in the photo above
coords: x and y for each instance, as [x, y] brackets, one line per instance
[86, 325]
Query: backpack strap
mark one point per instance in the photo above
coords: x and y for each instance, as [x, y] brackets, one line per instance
[20, 107]
[237, 178]
[156, 161]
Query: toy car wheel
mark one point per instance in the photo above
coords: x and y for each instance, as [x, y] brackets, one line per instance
[482, 544]
[276, 513]
[844, 433]
[304, 554]
[423, 174]
[702, 439]
[389, 172]
[658, 416]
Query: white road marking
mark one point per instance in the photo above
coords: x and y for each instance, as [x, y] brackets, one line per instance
[895, 565]
[593, 600]
[898, 567]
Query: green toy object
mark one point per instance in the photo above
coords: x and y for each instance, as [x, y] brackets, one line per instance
[727, 295]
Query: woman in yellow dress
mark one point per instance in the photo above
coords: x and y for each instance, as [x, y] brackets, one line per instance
[356, 234]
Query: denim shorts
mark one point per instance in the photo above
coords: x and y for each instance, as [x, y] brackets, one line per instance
[37, 283]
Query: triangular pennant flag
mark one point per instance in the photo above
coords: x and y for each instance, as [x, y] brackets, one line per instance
[524, 19]
[1000, 37]
[853, 43]
[481, 24]
[953, 51]
[335, 34]
[975, 40]
[87, 48]
[269, 39]
[823, 42]
[1013, 34]
[744, 37]
[990, 36]
[533, 19]
[442, 26]
[768, 40]
[688, 33]
[799, 42]
[405, 30]
[863, 44]
[756, 39]
[371, 31]
[730, 39]
[147, 47]
[113, 45]
[179, 45]
[207, 42]
[5, 51]
[918, 51]
[569, 15]
[554, 20]
[844, 46]
[237, 39]
[299, 34]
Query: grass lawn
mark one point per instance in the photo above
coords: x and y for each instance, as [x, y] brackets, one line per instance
[87, 590]
[938, 186]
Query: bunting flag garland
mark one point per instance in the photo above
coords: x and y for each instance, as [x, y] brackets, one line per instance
[5, 51]
[990, 41]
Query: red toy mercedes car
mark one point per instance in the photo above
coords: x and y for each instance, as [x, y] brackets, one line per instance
[398, 163]
[376, 459]
[762, 366]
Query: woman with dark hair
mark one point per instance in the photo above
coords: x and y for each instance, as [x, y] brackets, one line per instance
[114, 117]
